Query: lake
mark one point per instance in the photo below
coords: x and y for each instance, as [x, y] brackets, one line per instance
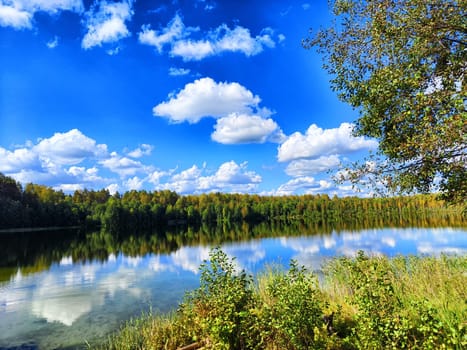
[61, 290]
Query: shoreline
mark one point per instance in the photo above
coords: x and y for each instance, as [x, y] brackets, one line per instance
[37, 229]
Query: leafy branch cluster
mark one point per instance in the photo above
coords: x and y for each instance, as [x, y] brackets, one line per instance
[403, 65]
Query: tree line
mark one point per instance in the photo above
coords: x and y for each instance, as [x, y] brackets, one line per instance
[139, 211]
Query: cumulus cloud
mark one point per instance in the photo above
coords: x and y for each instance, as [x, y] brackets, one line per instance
[229, 177]
[155, 176]
[107, 24]
[214, 42]
[61, 161]
[123, 166]
[69, 148]
[175, 30]
[143, 150]
[14, 17]
[231, 173]
[134, 183]
[304, 184]
[206, 98]
[87, 175]
[223, 39]
[19, 14]
[243, 128]
[304, 167]
[50, 154]
[22, 158]
[240, 119]
[318, 142]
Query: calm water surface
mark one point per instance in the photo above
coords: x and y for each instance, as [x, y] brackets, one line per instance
[68, 303]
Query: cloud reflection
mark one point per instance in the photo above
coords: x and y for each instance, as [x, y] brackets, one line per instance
[70, 294]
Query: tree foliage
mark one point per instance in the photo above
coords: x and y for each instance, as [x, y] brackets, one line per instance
[143, 211]
[402, 64]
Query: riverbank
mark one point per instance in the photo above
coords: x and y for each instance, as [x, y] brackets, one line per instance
[362, 303]
[37, 229]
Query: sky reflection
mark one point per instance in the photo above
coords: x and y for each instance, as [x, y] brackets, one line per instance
[70, 297]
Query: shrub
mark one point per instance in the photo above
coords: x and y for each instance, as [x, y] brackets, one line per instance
[221, 305]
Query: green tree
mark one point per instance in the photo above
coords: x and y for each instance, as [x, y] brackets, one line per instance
[9, 188]
[403, 65]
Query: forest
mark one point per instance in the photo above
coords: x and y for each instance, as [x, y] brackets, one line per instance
[142, 211]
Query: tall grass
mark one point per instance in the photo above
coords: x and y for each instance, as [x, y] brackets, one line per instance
[363, 303]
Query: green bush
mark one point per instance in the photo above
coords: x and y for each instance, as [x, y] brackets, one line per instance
[221, 305]
[402, 303]
[291, 314]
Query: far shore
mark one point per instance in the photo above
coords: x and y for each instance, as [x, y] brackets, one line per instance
[37, 229]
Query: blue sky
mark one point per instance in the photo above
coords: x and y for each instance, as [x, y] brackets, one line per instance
[192, 96]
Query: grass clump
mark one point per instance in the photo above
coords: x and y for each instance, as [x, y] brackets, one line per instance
[364, 303]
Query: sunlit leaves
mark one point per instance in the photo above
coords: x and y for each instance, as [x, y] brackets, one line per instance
[403, 64]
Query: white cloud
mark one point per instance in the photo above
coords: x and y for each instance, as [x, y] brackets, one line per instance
[107, 25]
[72, 160]
[123, 166]
[22, 158]
[154, 177]
[229, 177]
[186, 181]
[69, 148]
[50, 6]
[53, 43]
[20, 13]
[143, 150]
[112, 188]
[14, 17]
[305, 184]
[214, 42]
[190, 258]
[114, 51]
[244, 128]
[240, 119]
[223, 39]
[69, 187]
[318, 142]
[175, 72]
[233, 173]
[134, 183]
[192, 50]
[304, 167]
[87, 175]
[50, 154]
[175, 30]
[306, 6]
[238, 39]
[206, 98]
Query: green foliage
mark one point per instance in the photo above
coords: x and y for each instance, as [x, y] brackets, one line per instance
[291, 310]
[377, 325]
[35, 206]
[149, 331]
[403, 303]
[402, 64]
[142, 211]
[378, 303]
[221, 305]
